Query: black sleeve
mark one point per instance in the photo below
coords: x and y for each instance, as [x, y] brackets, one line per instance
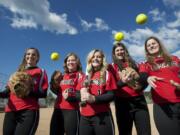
[143, 80]
[75, 98]
[38, 94]
[105, 98]
[5, 93]
[121, 84]
[55, 91]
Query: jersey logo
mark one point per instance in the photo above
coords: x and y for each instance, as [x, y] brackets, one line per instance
[67, 82]
[96, 82]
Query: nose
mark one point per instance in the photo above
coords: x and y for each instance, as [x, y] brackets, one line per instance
[30, 55]
[71, 61]
[151, 46]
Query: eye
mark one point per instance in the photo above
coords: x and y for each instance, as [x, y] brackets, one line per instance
[148, 45]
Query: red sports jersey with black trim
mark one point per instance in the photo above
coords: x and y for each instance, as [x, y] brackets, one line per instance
[165, 92]
[31, 103]
[96, 88]
[72, 82]
[125, 91]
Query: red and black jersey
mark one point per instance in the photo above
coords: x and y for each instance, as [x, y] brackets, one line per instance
[165, 91]
[72, 82]
[97, 88]
[124, 91]
[40, 83]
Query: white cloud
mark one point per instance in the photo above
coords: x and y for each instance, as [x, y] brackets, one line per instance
[168, 32]
[34, 13]
[177, 53]
[136, 51]
[134, 40]
[23, 23]
[157, 15]
[170, 38]
[98, 25]
[172, 3]
[175, 23]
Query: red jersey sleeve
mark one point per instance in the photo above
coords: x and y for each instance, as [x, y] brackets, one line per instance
[81, 77]
[143, 67]
[110, 81]
[44, 84]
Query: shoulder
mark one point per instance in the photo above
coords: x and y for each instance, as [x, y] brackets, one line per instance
[144, 66]
[80, 74]
[142, 63]
[112, 67]
[109, 74]
[175, 58]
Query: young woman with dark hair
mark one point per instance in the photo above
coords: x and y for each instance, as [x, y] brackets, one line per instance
[130, 102]
[164, 78]
[65, 118]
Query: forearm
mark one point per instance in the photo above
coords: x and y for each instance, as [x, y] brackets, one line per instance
[5, 93]
[75, 98]
[105, 98]
[39, 93]
[121, 84]
[55, 91]
[143, 80]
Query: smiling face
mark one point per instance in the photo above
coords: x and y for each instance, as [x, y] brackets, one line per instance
[31, 57]
[97, 60]
[119, 53]
[72, 63]
[152, 47]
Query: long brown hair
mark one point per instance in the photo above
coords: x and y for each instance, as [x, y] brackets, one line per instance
[162, 52]
[79, 66]
[127, 57]
[22, 66]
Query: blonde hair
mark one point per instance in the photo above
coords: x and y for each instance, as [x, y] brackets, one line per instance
[162, 52]
[22, 66]
[103, 68]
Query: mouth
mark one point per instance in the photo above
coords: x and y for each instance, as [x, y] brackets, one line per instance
[30, 59]
[71, 65]
[153, 47]
[96, 62]
[120, 56]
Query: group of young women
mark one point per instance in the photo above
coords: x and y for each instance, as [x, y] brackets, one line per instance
[83, 100]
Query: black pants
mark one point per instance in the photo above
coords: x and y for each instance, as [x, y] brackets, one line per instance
[167, 118]
[100, 124]
[64, 121]
[129, 110]
[24, 122]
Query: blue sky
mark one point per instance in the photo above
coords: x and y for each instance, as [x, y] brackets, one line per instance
[82, 25]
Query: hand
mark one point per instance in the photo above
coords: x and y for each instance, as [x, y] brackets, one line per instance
[152, 79]
[90, 98]
[176, 84]
[65, 94]
[125, 77]
[83, 93]
[135, 85]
